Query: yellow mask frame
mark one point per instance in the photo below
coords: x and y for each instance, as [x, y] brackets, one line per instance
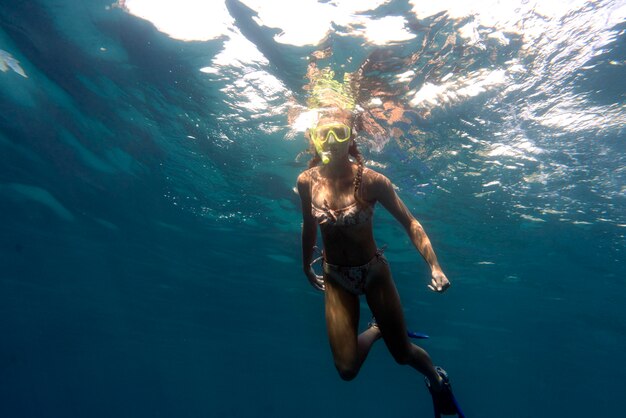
[340, 131]
[321, 134]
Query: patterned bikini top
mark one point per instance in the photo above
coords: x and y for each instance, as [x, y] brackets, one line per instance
[354, 214]
[350, 215]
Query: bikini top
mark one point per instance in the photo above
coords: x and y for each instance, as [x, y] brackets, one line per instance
[353, 214]
[350, 215]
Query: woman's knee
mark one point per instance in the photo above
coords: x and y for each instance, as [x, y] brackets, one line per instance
[402, 355]
[347, 372]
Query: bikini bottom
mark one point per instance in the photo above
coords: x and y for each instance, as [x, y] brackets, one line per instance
[353, 279]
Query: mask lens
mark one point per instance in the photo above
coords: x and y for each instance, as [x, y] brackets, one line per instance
[341, 133]
[322, 134]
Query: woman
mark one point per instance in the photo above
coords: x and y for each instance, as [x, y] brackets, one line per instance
[339, 196]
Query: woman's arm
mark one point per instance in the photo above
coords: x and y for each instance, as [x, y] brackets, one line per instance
[387, 196]
[309, 231]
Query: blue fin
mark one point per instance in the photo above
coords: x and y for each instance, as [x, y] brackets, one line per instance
[417, 335]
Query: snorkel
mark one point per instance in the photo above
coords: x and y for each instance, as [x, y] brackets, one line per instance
[318, 144]
[324, 155]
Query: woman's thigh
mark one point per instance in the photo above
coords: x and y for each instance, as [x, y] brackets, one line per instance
[384, 301]
[342, 321]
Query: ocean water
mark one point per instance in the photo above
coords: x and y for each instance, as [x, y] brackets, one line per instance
[150, 234]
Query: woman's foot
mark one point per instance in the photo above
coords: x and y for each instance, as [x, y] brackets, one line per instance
[372, 327]
[443, 399]
[372, 323]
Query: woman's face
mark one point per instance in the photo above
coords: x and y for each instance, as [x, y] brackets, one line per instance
[334, 134]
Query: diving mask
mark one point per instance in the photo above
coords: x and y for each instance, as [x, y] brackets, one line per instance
[321, 134]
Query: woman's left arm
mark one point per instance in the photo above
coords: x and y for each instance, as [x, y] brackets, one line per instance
[384, 192]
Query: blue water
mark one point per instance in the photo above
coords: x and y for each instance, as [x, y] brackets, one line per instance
[149, 249]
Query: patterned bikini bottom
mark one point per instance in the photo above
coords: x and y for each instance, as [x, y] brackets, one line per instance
[353, 279]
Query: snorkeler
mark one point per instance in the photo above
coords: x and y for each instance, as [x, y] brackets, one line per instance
[338, 193]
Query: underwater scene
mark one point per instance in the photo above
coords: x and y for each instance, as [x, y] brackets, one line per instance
[150, 243]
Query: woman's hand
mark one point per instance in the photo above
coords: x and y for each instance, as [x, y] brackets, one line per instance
[315, 280]
[439, 282]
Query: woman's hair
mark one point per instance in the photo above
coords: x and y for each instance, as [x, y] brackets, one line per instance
[354, 151]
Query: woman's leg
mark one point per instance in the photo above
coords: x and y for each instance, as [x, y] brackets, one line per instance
[342, 321]
[384, 301]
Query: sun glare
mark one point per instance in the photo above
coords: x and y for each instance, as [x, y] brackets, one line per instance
[540, 25]
[187, 20]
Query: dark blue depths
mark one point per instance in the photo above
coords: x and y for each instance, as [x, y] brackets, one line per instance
[144, 274]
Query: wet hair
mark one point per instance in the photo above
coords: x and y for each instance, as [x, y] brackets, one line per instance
[354, 151]
[316, 158]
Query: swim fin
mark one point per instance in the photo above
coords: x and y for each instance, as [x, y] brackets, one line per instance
[417, 335]
[444, 401]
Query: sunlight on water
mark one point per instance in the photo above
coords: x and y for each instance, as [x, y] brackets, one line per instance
[190, 20]
[559, 38]
[514, 69]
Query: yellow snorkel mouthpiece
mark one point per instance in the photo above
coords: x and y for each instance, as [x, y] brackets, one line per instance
[324, 155]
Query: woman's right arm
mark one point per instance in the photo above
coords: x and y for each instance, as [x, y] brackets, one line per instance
[309, 231]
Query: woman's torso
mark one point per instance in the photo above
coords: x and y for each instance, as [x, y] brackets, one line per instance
[345, 223]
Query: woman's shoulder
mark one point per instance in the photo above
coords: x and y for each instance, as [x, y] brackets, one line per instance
[373, 176]
[307, 176]
[375, 184]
